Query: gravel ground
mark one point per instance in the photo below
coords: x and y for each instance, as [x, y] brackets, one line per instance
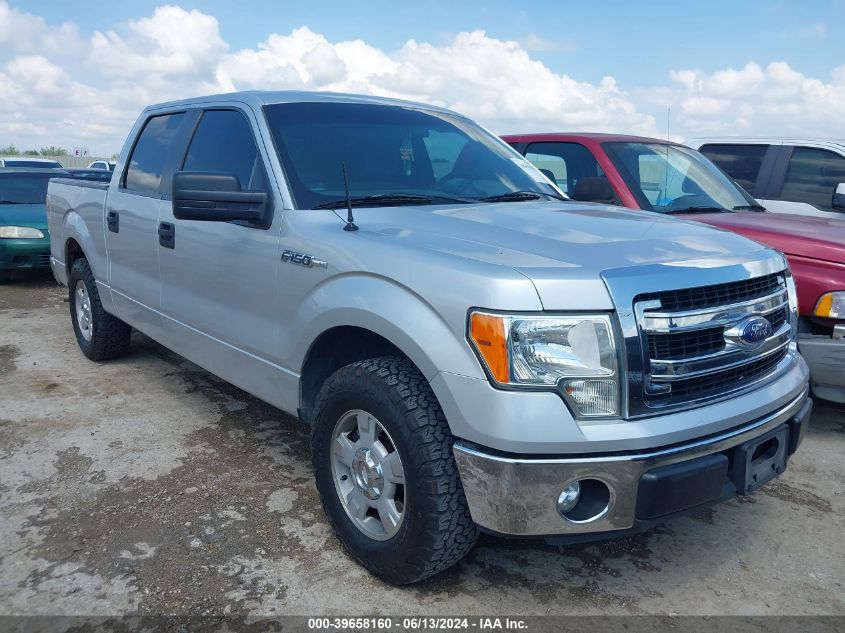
[148, 486]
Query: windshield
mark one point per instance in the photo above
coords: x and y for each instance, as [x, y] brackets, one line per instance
[17, 188]
[671, 178]
[390, 150]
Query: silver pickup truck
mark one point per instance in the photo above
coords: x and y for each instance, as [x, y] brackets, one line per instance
[471, 350]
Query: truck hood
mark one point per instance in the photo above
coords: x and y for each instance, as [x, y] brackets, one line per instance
[562, 247]
[797, 235]
[32, 215]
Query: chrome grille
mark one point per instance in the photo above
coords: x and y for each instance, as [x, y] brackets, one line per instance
[689, 353]
[718, 383]
[675, 345]
[715, 295]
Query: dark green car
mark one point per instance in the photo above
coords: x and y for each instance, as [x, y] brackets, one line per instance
[24, 240]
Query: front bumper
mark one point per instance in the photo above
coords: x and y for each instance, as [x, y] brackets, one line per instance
[25, 253]
[825, 355]
[517, 495]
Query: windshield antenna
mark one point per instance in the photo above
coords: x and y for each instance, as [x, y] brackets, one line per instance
[350, 221]
[666, 169]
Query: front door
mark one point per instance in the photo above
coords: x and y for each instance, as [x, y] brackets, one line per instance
[218, 295]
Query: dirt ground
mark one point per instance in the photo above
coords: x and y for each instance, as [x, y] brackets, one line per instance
[148, 486]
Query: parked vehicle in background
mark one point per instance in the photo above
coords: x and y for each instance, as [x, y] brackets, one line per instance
[108, 165]
[787, 175]
[655, 175]
[100, 175]
[471, 350]
[24, 238]
[28, 162]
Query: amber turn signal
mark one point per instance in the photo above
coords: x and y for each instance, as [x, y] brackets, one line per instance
[488, 335]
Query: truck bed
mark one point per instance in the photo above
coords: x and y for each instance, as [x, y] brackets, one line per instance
[75, 210]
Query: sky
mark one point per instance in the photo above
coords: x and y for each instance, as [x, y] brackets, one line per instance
[77, 75]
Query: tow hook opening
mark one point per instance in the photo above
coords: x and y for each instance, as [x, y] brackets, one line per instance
[765, 451]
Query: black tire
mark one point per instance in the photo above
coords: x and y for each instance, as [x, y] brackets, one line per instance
[110, 336]
[5, 275]
[437, 530]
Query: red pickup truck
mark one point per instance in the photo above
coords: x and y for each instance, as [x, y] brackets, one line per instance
[669, 178]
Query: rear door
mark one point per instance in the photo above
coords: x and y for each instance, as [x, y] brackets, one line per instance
[133, 206]
[804, 181]
[218, 294]
[750, 164]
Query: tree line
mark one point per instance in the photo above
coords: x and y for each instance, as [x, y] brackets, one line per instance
[11, 150]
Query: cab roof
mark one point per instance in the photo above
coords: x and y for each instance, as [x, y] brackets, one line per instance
[596, 137]
[259, 98]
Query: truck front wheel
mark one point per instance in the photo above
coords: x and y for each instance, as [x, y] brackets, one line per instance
[387, 479]
[101, 336]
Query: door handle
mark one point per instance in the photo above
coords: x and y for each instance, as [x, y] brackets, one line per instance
[167, 235]
[113, 221]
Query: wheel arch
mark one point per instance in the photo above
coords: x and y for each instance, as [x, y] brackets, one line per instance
[334, 328]
[335, 348]
[73, 251]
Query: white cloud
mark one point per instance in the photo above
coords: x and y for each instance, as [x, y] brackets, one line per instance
[171, 43]
[57, 87]
[494, 81]
[25, 32]
[176, 53]
[774, 99]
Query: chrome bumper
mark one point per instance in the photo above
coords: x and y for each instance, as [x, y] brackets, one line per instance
[517, 496]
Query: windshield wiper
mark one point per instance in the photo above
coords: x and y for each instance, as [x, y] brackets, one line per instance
[377, 200]
[749, 207]
[512, 196]
[15, 202]
[699, 210]
[518, 196]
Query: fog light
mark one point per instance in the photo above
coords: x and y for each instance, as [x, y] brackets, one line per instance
[568, 499]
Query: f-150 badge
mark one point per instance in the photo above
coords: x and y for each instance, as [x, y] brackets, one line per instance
[303, 259]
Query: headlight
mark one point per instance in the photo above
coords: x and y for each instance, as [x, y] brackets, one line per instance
[574, 355]
[831, 305]
[20, 231]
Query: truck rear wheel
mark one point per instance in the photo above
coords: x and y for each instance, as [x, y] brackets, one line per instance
[101, 336]
[387, 479]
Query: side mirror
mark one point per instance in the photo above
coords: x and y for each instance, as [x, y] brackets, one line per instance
[838, 202]
[211, 197]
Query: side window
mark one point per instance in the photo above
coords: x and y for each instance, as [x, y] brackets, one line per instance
[550, 165]
[223, 143]
[567, 162]
[443, 150]
[740, 162]
[146, 164]
[812, 176]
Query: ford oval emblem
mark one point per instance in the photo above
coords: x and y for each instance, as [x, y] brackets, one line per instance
[750, 332]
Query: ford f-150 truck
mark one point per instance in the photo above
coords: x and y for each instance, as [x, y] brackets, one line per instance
[657, 175]
[471, 350]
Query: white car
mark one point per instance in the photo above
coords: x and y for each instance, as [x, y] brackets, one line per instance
[26, 161]
[802, 176]
[103, 164]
